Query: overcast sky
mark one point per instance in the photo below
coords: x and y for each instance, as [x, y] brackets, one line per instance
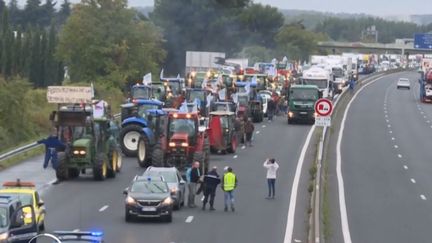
[376, 7]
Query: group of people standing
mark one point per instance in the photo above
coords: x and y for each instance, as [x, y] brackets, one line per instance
[244, 128]
[208, 185]
[209, 182]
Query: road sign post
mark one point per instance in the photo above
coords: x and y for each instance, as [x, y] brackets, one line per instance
[323, 109]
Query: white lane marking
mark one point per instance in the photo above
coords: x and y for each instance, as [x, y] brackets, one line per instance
[405, 167]
[400, 155]
[76, 230]
[243, 147]
[393, 138]
[235, 156]
[422, 197]
[386, 116]
[430, 126]
[413, 181]
[297, 241]
[103, 208]
[422, 112]
[189, 219]
[425, 117]
[396, 146]
[52, 181]
[294, 190]
[388, 125]
[387, 121]
[427, 121]
[257, 132]
[341, 188]
[263, 126]
[390, 132]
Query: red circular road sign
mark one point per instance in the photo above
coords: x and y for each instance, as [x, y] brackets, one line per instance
[323, 107]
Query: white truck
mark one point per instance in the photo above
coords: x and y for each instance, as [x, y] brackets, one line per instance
[320, 77]
[202, 61]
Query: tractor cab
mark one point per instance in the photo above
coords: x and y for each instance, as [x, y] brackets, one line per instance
[158, 91]
[174, 91]
[141, 91]
[256, 109]
[222, 134]
[223, 106]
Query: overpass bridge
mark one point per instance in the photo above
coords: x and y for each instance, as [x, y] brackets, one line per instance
[391, 48]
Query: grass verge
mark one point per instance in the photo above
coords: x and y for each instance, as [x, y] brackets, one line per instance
[14, 160]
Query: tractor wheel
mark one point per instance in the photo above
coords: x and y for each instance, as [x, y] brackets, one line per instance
[62, 172]
[112, 166]
[233, 145]
[119, 160]
[73, 173]
[144, 153]
[100, 168]
[213, 150]
[129, 137]
[158, 156]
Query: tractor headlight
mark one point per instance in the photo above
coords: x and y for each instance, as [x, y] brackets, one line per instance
[79, 152]
[290, 114]
[130, 200]
[172, 144]
[167, 202]
[184, 144]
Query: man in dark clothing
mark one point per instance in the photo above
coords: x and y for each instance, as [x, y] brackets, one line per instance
[195, 175]
[52, 144]
[271, 108]
[249, 129]
[211, 180]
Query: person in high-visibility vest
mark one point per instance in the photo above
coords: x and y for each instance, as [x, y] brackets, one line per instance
[229, 183]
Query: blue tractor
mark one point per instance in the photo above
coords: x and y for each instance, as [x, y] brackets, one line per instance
[135, 118]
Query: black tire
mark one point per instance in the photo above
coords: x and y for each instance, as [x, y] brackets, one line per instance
[144, 154]
[289, 121]
[42, 226]
[129, 149]
[100, 168]
[177, 205]
[62, 172]
[112, 164]
[158, 156]
[73, 173]
[213, 150]
[128, 216]
[168, 218]
[232, 148]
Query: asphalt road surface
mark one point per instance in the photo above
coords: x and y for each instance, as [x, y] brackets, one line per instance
[90, 205]
[386, 166]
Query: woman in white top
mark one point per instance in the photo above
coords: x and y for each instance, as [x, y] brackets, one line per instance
[272, 167]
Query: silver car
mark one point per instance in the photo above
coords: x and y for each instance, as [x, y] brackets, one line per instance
[174, 180]
[403, 83]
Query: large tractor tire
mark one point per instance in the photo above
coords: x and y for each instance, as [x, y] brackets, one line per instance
[233, 145]
[62, 172]
[129, 137]
[158, 156]
[73, 173]
[100, 168]
[113, 163]
[144, 151]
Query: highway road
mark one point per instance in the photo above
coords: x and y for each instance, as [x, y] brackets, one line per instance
[90, 205]
[385, 167]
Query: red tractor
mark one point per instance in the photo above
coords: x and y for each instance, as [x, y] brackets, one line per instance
[222, 132]
[181, 141]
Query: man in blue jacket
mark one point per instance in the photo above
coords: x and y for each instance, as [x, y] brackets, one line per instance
[52, 144]
[211, 181]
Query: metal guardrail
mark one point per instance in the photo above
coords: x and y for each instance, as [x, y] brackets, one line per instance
[28, 147]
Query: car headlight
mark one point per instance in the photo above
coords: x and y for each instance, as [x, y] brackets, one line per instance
[4, 236]
[167, 202]
[290, 114]
[130, 200]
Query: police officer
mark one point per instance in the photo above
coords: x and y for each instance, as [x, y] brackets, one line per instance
[229, 183]
[211, 180]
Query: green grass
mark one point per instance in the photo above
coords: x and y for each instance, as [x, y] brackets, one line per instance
[14, 160]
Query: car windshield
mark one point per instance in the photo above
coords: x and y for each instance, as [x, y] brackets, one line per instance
[25, 198]
[158, 91]
[174, 87]
[141, 92]
[183, 126]
[321, 83]
[338, 72]
[224, 122]
[402, 80]
[304, 94]
[4, 217]
[149, 187]
[243, 100]
[169, 176]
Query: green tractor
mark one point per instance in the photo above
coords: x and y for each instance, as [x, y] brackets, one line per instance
[90, 136]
